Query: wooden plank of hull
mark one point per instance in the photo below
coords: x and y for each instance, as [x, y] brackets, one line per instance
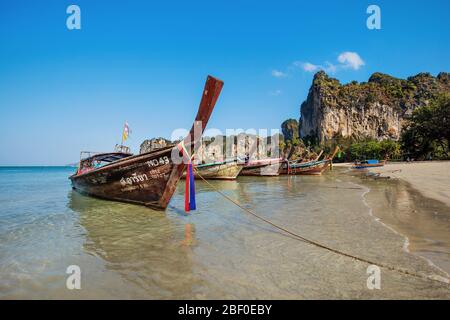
[222, 171]
[149, 179]
[271, 169]
[315, 168]
[139, 179]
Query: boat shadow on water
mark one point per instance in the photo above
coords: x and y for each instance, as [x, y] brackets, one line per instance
[149, 249]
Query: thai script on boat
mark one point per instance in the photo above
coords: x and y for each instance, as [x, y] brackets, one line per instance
[158, 162]
[134, 178]
[156, 174]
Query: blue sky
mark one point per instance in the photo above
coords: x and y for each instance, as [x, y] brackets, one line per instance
[62, 91]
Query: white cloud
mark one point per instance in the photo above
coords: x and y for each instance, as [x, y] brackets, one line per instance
[331, 68]
[350, 60]
[309, 67]
[275, 92]
[279, 74]
[347, 60]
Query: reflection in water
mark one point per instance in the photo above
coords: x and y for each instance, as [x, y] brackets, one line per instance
[217, 251]
[146, 247]
[189, 235]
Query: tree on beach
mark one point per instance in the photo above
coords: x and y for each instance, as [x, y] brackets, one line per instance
[390, 149]
[372, 149]
[427, 132]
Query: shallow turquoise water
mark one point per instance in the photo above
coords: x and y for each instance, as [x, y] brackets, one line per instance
[218, 251]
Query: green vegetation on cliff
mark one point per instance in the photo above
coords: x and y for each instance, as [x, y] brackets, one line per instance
[385, 116]
[374, 109]
[426, 135]
[290, 130]
[385, 89]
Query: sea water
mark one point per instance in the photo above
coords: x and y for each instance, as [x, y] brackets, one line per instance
[220, 251]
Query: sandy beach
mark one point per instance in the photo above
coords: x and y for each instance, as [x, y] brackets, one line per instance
[431, 178]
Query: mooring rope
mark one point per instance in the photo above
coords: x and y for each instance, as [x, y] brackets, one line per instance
[317, 244]
[337, 187]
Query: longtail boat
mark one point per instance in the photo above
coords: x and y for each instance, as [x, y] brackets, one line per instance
[320, 154]
[368, 164]
[313, 167]
[224, 170]
[150, 178]
[263, 167]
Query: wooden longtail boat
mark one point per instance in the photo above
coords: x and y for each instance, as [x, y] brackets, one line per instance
[315, 167]
[368, 164]
[263, 167]
[224, 170]
[150, 178]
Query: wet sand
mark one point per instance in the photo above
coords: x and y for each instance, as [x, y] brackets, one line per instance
[424, 222]
[415, 202]
[431, 178]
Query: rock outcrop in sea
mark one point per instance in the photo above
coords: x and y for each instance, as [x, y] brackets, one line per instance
[374, 109]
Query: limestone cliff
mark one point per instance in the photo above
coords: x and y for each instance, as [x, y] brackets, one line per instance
[153, 144]
[290, 130]
[220, 147]
[374, 109]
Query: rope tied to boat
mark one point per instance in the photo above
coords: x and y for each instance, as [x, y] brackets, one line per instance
[182, 148]
[323, 246]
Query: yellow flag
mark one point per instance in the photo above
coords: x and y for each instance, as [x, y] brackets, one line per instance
[126, 132]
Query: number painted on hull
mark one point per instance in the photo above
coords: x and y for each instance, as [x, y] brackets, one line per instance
[158, 162]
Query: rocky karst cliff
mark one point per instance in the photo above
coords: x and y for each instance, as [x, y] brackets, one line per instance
[290, 131]
[153, 144]
[219, 148]
[373, 109]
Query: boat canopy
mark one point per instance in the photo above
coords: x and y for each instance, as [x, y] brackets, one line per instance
[103, 157]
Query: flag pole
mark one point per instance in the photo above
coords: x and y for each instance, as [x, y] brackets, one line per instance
[123, 130]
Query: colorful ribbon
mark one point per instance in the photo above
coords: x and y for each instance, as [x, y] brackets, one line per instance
[189, 192]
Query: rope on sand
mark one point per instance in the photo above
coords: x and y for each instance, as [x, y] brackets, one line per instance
[317, 244]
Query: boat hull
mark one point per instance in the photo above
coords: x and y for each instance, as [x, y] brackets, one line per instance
[369, 165]
[264, 169]
[222, 171]
[312, 168]
[141, 179]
